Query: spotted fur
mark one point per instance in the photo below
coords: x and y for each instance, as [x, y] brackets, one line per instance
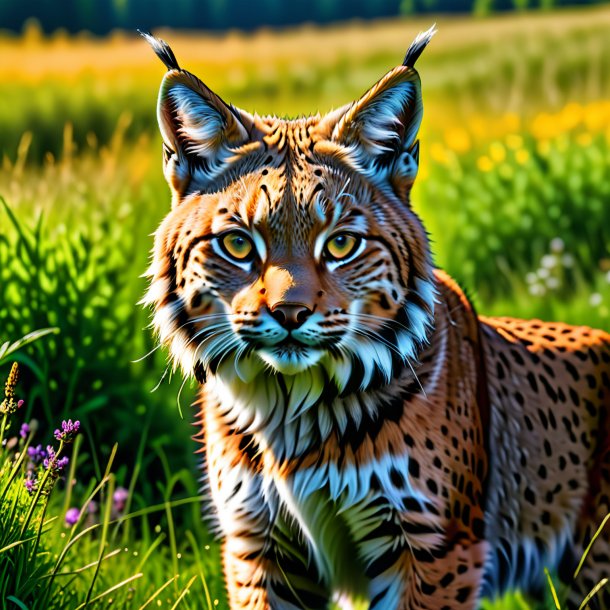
[367, 436]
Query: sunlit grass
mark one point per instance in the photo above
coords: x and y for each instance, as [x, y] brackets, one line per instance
[497, 192]
[519, 64]
[512, 186]
[103, 549]
[108, 186]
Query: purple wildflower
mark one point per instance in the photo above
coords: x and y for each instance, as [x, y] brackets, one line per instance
[56, 466]
[24, 431]
[72, 516]
[37, 454]
[20, 403]
[49, 460]
[30, 482]
[120, 498]
[69, 430]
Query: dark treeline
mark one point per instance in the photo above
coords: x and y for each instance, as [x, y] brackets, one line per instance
[102, 16]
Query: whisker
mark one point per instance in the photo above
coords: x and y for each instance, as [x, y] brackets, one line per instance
[224, 343]
[150, 353]
[242, 348]
[230, 348]
[201, 318]
[385, 321]
[208, 316]
[370, 334]
[212, 330]
[215, 339]
[186, 377]
[421, 387]
[163, 376]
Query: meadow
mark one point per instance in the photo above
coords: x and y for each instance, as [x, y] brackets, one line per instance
[513, 188]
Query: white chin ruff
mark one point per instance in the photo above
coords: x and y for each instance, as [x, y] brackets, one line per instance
[290, 362]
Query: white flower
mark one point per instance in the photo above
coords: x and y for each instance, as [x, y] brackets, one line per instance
[532, 278]
[557, 245]
[596, 299]
[537, 290]
[552, 283]
[543, 273]
[567, 260]
[549, 261]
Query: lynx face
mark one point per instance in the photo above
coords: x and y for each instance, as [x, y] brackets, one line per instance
[291, 245]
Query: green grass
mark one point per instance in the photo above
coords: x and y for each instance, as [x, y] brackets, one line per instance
[110, 554]
[496, 191]
[518, 64]
[493, 226]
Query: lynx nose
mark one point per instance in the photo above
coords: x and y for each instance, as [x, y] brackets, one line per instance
[291, 315]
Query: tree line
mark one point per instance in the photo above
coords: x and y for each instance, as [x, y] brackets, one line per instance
[102, 16]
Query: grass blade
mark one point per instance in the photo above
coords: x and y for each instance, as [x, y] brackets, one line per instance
[584, 555]
[113, 588]
[83, 568]
[7, 350]
[104, 535]
[158, 592]
[17, 602]
[600, 585]
[184, 592]
[552, 588]
[198, 558]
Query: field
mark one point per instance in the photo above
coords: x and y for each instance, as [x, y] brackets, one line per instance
[513, 188]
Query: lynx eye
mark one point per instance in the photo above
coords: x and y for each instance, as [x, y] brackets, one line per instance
[340, 246]
[238, 246]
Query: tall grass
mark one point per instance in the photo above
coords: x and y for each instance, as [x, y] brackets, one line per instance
[105, 552]
[496, 205]
[73, 246]
[515, 149]
[521, 64]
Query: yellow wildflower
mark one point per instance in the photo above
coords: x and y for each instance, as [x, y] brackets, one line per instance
[11, 382]
[544, 126]
[497, 152]
[511, 121]
[597, 115]
[514, 141]
[439, 153]
[543, 147]
[522, 156]
[485, 164]
[458, 139]
[570, 116]
[9, 404]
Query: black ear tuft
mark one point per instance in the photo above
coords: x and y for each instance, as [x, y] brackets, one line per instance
[162, 49]
[417, 46]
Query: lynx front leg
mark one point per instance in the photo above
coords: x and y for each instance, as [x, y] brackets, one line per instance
[264, 565]
[245, 523]
[265, 569]
[415, 564]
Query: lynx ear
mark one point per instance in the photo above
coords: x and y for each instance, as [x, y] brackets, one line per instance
[200, 131]
[377, 134]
